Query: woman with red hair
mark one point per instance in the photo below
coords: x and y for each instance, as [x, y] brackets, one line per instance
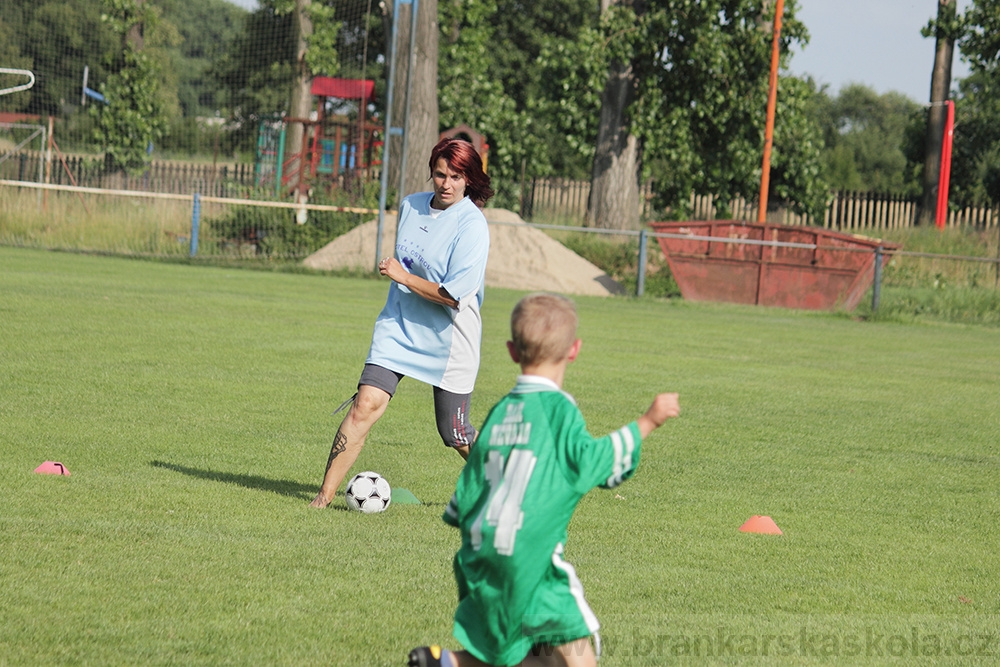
[430, 328]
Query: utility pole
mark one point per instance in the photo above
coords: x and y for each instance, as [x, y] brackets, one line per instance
[940, 87]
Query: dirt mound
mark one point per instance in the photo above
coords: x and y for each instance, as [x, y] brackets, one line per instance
[521, 257]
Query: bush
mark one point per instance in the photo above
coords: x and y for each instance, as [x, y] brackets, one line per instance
[620, 260]
[274, 233]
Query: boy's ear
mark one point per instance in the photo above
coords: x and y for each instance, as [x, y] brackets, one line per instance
[513, 352]
[574, 349]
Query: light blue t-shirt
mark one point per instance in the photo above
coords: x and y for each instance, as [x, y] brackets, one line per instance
[427, 341]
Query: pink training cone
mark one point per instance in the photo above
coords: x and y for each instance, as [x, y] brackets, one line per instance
[52, 468]
[760, 524]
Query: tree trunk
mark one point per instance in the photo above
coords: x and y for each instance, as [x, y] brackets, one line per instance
[136, 33]
[940, 87]
[301, 103]
[420, 116]
[614, 183]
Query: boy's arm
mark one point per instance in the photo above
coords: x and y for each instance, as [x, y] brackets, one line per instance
[609, 460]
[664, 407]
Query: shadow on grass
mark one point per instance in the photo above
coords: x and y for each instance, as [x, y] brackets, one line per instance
[280, 486]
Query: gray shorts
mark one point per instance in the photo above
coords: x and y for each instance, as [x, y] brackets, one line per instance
[451, 411]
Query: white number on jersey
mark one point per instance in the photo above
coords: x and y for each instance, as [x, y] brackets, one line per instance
[503, 508]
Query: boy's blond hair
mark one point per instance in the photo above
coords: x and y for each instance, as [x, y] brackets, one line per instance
[543, 328]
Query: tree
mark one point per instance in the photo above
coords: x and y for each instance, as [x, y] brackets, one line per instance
[945, 29]
[75, 26]
[267, 68]
[254, 75]
[614, 183]
[10, 56]
[975, 175]
[205, 27]
[135, 113]
[864, 136]
[520, 73]
[975, 165]
[796, 165]
[416, 96]
[702, 74]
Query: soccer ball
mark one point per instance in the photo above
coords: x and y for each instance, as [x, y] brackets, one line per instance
[368, 492]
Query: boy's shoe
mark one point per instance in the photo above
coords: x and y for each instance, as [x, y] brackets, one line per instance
[425, 656]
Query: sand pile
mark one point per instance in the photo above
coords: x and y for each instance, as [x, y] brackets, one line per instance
[521, 257]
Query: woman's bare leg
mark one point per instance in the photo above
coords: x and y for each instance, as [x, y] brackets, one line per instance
[369, 405]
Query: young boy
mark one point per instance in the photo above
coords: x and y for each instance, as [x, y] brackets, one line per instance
[520, 603]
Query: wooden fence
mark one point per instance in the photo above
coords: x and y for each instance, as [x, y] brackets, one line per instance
[848, 211]
[565, 198]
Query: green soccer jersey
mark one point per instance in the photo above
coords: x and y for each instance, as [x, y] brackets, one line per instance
[532, 463]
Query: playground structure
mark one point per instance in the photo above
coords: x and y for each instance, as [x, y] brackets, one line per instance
[770, 265]
[337, 151]
[477, 140]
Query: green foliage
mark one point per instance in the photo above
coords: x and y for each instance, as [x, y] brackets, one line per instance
[254, 75]
[255, 72]
[796, 169]
[932, 273]
[702, 73]
[11, 58]
[133, 119]
[186, 136]
[947, 24]
[568, 105]
[471, 92]
[322, 56]
[269, 233]
[499, 63]
[205, 27]
[979, 37]
[961, 305]
[975, 175]
[34, 27]
[57, 39]
[620, 260]
[135, 115]
[865, 135]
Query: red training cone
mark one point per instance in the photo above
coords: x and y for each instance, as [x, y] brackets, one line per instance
[52, 468]
[760, 524]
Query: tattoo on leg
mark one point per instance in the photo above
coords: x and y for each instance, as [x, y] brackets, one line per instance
[338, 448]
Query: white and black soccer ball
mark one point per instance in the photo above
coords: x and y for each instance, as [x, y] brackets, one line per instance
[368, 492]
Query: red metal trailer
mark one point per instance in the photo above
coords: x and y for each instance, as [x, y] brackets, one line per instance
[822, 269]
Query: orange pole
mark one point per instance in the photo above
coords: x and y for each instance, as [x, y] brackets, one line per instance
[772, 100]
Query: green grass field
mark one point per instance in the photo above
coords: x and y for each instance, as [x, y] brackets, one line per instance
[193, 404]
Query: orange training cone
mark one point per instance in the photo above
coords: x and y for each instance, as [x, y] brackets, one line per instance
[52, 468]
[760, 524]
